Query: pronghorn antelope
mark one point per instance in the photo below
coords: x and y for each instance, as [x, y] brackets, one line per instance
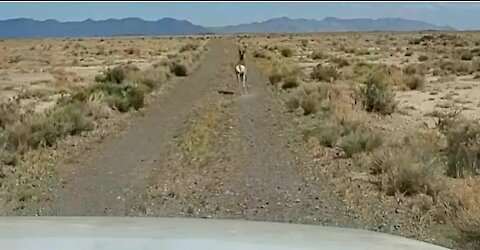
[241, 70]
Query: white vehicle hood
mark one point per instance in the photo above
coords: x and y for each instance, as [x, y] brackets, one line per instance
[68, 233]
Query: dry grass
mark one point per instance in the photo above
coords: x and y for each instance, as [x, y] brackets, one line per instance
[34, 130]
[49, 110]
[318, 55]
[197, 145]
[414, 69]
[406, 171]
[424, 176]
[414, 82]
[324, 73]
[360, 140]
[463, 147]
[188, 47]
[261, 54]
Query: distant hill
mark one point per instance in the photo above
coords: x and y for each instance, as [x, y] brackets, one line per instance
[329, 24]
[29, 28]
[26, 28]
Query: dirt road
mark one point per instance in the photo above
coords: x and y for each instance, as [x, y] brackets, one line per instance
[199, 153]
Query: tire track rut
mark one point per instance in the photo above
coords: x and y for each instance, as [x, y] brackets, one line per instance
[253, 174]
[110, 179]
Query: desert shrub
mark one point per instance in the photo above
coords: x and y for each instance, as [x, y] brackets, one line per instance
[188, 47]
[475, 51]
[116, 75]
[9, 113]
[318, 55]
[292, 103]
[178, 69]
[275, 78]
[415, 68]
[324, 73]
[281, 71]
[327, 134]
[361, 69]
[260, 54]
[290, 82]
[304, 42]
[132, 51]
[377, 94]
[447, 65]
[362, 52]
[359, 140]
[422, 58]
[348, 50]
[407, 170]
[309, 105]
[340, 62]
[409, 53]
[34, 130]
[286, 52]
[15, 59]
[463, 148]
[438, 72]
[455, 67]
[414, 82]
[475, 66]
[466, 56]
[462, 68]
[151, 78]
[120, 97]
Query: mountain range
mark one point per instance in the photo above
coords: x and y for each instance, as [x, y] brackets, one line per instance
[30, 28]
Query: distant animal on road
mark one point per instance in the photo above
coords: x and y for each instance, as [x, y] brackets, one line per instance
[241, 70]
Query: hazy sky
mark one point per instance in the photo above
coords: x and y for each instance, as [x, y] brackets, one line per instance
[459, 15]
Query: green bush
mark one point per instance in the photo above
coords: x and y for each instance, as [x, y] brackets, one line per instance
[327, 134]
[121, 97]
[116, 75]
[359, 141]
[309, 105]
[377, 94]
[292, 103]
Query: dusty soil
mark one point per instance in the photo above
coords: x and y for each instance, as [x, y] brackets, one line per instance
[195, 152]
[251, 171]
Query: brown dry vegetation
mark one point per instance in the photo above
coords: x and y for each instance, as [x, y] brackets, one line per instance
[402, 114]
[52, 89]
